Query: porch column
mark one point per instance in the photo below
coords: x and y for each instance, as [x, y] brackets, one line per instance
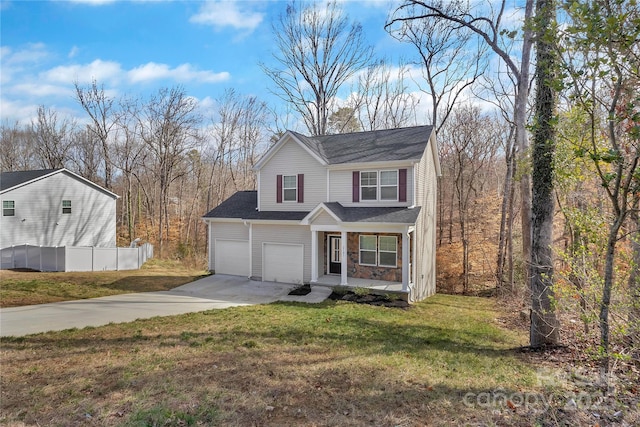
[405, 261]
[343, 258]
[314, 256]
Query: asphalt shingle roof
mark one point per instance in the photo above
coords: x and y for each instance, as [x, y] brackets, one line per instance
[398, 215]
[372, 146]
[11, 179]
[243, 205]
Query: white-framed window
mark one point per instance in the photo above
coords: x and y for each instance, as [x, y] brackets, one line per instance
[379, 185]
[368, 249]
[8, 208]
[388, 251]
[369, 185]
[290, 188]
[66, 206]
[389, 185]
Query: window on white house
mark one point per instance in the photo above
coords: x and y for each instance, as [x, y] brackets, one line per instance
[388, 251]
[8, 208]
[66, 206]
[368, 250]
[389, 185]
[290, 188]
[369, 185]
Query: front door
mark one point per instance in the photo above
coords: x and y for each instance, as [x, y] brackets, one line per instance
[335, 261]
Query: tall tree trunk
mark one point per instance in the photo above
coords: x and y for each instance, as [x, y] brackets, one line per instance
[520, 120]
[634, 281]
[504, 212]
[544, 324]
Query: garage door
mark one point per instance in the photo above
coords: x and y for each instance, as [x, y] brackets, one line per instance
[282, 263]
[232, 257]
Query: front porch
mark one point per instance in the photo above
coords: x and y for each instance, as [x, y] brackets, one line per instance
[356, 282]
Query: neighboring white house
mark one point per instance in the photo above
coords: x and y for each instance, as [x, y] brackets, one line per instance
[55, 207]
[351, 209]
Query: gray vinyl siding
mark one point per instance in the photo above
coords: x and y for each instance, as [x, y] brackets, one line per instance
[275, 233]
[224, 230]
[341, 187]
[39, 219]
[292, 159]
[324, 219]
[425, 280]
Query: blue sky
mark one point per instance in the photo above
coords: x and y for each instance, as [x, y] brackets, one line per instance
[135, 48]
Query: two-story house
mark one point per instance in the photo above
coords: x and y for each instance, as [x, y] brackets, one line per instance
[354, 209]
[55, 207]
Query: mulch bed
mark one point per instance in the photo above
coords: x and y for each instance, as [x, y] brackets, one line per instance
[372, 299]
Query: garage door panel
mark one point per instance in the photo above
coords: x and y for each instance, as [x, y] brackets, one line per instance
[232, 257]
[283, 262]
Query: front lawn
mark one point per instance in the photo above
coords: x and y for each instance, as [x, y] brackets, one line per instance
[332, 364]
[19, 288]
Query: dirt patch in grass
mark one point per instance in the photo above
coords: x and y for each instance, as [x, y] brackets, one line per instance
[19, 288]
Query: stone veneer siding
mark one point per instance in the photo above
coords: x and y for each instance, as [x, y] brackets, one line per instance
[389, 274]
[354, 269]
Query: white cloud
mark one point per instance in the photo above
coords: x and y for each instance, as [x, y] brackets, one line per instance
[220, 14]
[182, 73]
[33, 52]
[73, 52]
[93, 2]
[37, 89]
[98, 70]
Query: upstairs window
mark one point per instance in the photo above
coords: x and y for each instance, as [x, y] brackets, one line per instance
[378, 185]
[389, 185]
[8, 208]
[290, 188]
[66, 206]
[368, 185]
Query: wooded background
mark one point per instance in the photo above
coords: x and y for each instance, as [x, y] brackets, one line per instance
[555, 223]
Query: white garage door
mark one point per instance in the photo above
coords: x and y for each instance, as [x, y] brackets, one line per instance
[282, 263]
[232, 257]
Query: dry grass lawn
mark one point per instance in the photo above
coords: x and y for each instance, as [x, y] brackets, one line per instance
[333, 364]
[19, 288]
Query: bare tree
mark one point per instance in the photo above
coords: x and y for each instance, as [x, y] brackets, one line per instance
[450, 57]
[380, 98]
[318, 51]
[487, 23]
[86, 155]
[100, 108]
[168, 124]
[17, 151]
[52, 138]
[474, 140]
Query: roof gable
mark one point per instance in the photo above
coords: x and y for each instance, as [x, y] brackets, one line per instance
[12, 180]
[9, 180]
[401, 144]
[290, 136]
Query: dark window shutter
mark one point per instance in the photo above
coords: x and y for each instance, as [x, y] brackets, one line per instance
[279, 189]
[356, 186]
[300, 188]
[402, 185]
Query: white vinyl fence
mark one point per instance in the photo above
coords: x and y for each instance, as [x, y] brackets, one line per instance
[74, 258]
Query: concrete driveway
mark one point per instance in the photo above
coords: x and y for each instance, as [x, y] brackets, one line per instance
[212, 292]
